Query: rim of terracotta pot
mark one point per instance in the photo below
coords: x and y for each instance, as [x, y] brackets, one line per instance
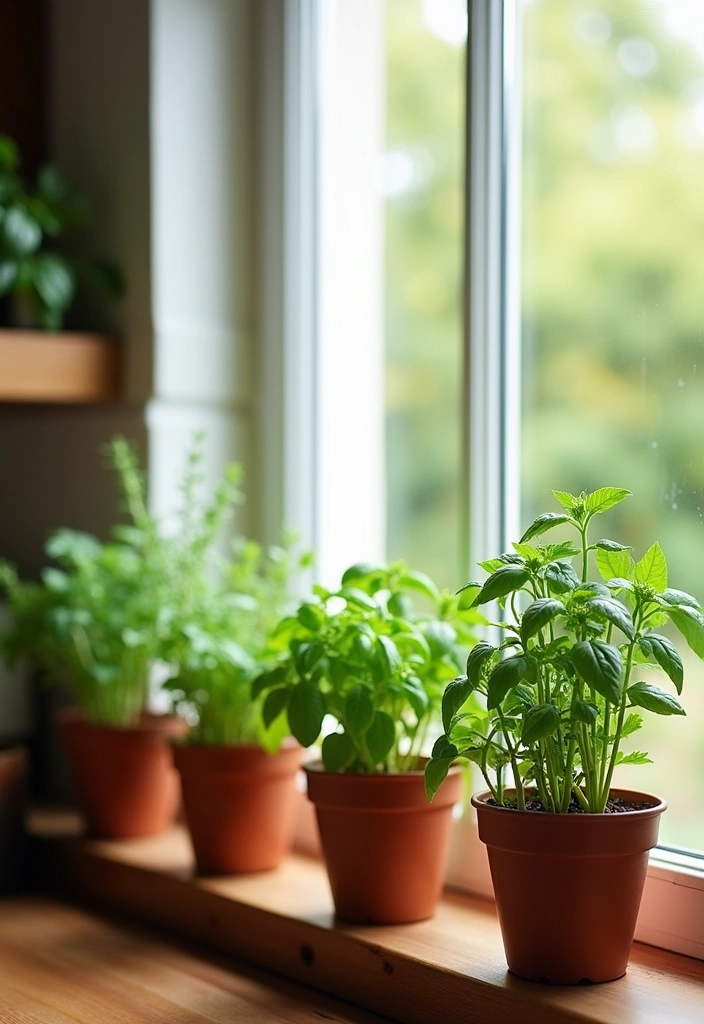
[656, 805]
[150, 724]
[236, 757]
[570, 835]
[378, 791]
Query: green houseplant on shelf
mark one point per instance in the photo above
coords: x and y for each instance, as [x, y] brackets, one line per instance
[238, 774]
[376, 665]
[96, 623]
[562, 691]
[40, 279]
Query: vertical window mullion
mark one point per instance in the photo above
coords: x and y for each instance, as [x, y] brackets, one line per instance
[492, 307]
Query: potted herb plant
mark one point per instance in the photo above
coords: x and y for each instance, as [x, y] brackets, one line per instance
[96, 624]
[563, 690]
[365, 657]
[41, 280]
[238, 775]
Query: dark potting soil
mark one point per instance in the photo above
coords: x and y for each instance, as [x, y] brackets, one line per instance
[613, 806]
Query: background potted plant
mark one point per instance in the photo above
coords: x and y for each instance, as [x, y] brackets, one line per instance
[365, 657]
[238, 775]
[96, 624]
[563, 689]
[41, 280]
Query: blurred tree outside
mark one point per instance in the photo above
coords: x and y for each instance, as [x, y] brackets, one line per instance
[423, 180]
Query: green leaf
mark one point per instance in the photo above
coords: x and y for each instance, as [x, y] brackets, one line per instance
[380, 736]
[635, 757]
[359, 711]
[389, 657]
[678, 597]
[615, 563]
[652, 568]
[690, 623]
[504, 677]
[538, 614]
[611, 545]
[338, 751]
[441, 637]
[468, 594]
[475, 659]
[21, 232]
[443, 747]
[310, 616]
[355, 596]
[586, 712]
[614, 612]
[8, 275]
[540, 721]
[504, 581]
[632, 724]
[417, 697]
[419, 582]
[605, 498]
[306, 710]
[666, 654]
[400, 605]
[456, 693]
[266, 680]
[54, 281]
[547, 521]
[435, 774]
[275, 702]
[652, 698]
[561, 577]
[363, 572]
[567, 500]
[600, 665]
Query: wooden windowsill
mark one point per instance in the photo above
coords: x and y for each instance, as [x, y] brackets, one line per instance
[449, 969]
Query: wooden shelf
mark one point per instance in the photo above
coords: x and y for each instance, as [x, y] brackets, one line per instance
[450, 969]
[43, 366]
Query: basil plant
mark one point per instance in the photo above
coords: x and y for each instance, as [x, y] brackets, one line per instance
[564, 687]
[367, 657]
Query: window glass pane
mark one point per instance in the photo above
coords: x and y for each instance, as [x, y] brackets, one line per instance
[613, 305]
[422, 179]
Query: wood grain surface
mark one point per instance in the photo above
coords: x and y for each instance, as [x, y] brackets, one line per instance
[60, 965]
[450, 969]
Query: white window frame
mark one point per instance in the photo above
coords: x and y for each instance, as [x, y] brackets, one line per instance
[294, 193]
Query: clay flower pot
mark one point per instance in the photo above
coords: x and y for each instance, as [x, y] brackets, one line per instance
[385, 847]
[125, 779]
[568, 886]
[240, 804]
[13, 798]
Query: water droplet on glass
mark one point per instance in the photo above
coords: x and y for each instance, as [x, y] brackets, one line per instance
[680, 383]
[654, 444]
[674, 506]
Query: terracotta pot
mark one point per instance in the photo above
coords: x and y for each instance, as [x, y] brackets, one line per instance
[568, 886]
[239, 804]
[125, 779]
[385, 847]
[13, 799]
